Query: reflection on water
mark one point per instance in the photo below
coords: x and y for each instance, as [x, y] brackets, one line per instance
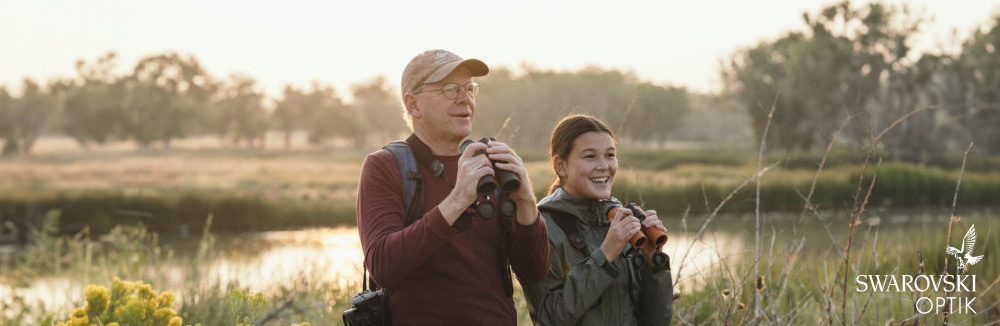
[334, 254]
[51, 292]
[691, 261]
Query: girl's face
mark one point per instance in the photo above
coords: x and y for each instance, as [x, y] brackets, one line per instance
[590, 169]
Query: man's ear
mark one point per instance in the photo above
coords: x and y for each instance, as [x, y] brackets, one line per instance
[412, 108]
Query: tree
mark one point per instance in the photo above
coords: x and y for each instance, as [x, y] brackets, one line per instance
[28, 117]
[163, 97]
[906, 89]
[656, 111]
[239, 112]
[332, 118]
[293, 112]
[979, 67]
[7, 120]
[93, 110]
[833, 71]
[536, 100]
[381, 111]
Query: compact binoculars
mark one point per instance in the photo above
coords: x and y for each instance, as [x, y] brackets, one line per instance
[494, 189]
[650, 238]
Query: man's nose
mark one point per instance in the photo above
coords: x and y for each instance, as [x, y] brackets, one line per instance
[463, 96]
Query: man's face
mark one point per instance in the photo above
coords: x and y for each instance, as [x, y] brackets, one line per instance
[440, 116]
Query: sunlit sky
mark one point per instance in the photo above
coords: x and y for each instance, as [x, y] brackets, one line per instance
[344, 42]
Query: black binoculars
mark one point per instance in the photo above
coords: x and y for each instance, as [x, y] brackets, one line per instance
[506, 180]
[493, 189]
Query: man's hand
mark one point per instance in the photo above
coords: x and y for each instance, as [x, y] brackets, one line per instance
[470, 169]
[524, 197]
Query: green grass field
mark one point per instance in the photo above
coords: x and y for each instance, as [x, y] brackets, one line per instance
[266, 190]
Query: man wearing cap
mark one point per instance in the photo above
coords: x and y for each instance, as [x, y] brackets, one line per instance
[442, 272]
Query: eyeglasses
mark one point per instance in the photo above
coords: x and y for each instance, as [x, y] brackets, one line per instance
[450, 91]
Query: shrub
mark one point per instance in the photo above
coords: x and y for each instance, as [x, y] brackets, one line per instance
[125, 304]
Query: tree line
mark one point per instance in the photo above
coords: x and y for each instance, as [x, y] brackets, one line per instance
[170, 96]
[857, 62]
[849, 63]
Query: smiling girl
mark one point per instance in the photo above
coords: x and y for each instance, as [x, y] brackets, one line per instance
[591, 281]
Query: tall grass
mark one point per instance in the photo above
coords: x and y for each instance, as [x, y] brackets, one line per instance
[821, 295]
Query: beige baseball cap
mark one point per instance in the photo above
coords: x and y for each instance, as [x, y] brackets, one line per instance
[434, 65]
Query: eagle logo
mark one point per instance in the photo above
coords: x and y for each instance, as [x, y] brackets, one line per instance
[967, 244]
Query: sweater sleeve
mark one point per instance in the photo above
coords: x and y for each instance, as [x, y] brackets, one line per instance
[529, 248]
[391, 250]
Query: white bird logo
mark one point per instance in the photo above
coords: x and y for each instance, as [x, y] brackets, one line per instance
[967, 243]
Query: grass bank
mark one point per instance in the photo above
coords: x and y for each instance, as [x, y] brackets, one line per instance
[173, 192]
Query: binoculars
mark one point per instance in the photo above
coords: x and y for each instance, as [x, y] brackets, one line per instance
[506, 180]
[650, 238]
[492, 190]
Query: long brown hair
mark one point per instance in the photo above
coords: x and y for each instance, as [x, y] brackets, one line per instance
[565, 132]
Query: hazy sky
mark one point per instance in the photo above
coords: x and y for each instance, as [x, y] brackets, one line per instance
[343, 42]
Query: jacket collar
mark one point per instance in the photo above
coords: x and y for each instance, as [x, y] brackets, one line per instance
[588, 211]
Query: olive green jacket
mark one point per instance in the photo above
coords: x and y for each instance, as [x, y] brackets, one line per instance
[587, 289]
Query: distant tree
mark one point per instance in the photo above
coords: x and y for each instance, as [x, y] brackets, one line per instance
[319, 112]
[903, 84]
[7, 125]
[715, 119]
[979, 67]
[536, 100]
[380, 109]
[239, 113]
[822, 76]
[164, 95]
[332, 118]
[657, 110]
[93, 110]
[29, 116]
[293, 112]
[908, 88]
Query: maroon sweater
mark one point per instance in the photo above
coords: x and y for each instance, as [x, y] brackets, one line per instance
[439, 275]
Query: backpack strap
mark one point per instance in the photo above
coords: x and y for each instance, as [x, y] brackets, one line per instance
[412, 181]
[412, 185]
[505, 234]
[567, 222]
